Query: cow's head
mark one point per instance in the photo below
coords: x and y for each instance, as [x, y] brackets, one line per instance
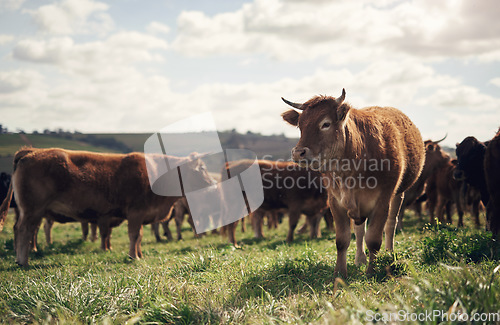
[435, 157]
[322, 126]
[470, 156]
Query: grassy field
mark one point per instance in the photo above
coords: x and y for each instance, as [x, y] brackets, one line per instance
[207, 281]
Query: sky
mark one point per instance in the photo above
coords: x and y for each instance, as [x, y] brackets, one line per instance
[140, 65]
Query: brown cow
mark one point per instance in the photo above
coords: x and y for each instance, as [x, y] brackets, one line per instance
[492, 176]
[286, 186]
[435, 158]
[92, 187]
[443, 191]
[368, 158]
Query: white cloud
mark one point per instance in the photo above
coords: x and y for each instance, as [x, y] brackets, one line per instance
[73, 16]
[157, 28]
[344, 31]
[4, 39]
[495, 81]
[99, 59]
[10, 5]
[17, 80]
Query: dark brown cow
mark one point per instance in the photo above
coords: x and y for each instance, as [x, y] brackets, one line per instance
[470, 168]
[91, 187]
[444, 192]
[286, 186]
[435, 158]
[368, 158]
[492, 174]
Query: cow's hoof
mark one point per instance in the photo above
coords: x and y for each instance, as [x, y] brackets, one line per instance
[360, 260]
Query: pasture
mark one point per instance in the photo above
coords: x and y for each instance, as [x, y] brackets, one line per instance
[267, 281]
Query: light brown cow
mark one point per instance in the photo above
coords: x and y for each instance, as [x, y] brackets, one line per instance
[91, 187]
[368, 158]
[443, 192]
[435, 158]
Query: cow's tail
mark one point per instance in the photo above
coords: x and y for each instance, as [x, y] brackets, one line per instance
[4, 208]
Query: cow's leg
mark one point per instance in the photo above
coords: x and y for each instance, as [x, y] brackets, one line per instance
[390, 224]
[441, 202]
[85, 230]
[179, 219]
[343, 236]
[155, 228]
[47, 228]
[166, 229]
[431, 207]
[304, 228]
[401, 215]
[475, 212]
[313, 223]
[360, 244]
[243, 224]
[108, 239]
[24, 230]
[375, 229]
[34, 241]
[93, 232]
[293, 219]
[329, 220]
[105, 231]
[257, 217]
[460, 208]
[135, 236]
[449, 213]
[191, 223]
[231, 233]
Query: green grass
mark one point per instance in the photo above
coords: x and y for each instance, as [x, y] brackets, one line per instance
[207, 281]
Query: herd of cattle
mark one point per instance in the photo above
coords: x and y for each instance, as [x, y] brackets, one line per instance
[106, 189]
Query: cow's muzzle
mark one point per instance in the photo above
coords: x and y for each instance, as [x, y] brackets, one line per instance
[301, 154]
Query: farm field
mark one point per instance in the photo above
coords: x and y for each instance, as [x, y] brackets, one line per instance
[267, 281]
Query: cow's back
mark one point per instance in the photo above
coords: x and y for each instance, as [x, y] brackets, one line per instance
[390, 134]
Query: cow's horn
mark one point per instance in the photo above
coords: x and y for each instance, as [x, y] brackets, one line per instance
[340, 100]
[442, 138]
[294, 105]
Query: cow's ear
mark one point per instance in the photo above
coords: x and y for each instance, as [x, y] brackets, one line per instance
[291, 117]
[342, 112]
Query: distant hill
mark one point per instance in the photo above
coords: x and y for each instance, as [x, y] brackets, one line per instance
[270, 147]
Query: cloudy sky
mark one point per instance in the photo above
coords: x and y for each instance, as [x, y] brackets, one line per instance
[138, 65]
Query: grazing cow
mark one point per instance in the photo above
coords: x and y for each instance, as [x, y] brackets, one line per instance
[435, 158]
[368, 158]
[92, 187]
[286, 186]
[443, 191]
[470, 167]
[5, 180]
[492, 174]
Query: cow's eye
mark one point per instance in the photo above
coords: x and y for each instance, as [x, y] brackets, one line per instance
[325, 125]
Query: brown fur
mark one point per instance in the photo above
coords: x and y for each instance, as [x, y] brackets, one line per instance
[332, 129]
[443, 191]
[435, 158]
[290, 196]
[88, 187]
